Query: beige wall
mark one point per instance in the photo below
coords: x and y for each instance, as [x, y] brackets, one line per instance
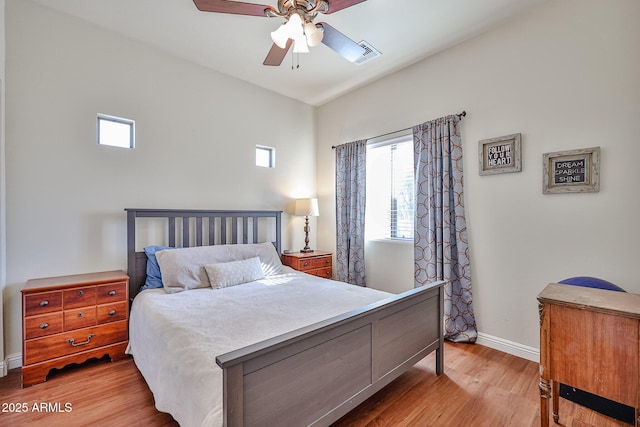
[196, 132]
[565, 75]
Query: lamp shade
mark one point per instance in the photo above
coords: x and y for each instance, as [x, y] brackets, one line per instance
[300, 44]
[313, 34]
[280, 36]
[307, 207]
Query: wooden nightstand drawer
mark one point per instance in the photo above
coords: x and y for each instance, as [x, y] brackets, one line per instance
[304, 264]
[79, 318]
[79, 297]
[319, 262]
[327, 273]
[74, 342]
[43, 325]
[112, 312]
[112, 292]
[42, 302]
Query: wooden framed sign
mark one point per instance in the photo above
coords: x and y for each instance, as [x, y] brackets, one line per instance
[500, 155]
[574, 171]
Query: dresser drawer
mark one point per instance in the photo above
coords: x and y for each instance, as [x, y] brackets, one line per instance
[79, 318]
[327, 273]
[320, 262]
[79, 297]
[112, 292]
[112, 312]
[42, 302]
[59, 345]
[40, 326]
[311, 263]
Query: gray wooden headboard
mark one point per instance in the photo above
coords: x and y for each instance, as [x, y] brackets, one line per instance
[188, 227]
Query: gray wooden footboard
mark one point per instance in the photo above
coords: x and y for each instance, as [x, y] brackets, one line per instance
[315, 375]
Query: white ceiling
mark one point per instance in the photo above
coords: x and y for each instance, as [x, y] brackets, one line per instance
[404, 31]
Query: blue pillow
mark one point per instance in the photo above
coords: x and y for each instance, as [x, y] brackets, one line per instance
[154, 278]
[591, 282]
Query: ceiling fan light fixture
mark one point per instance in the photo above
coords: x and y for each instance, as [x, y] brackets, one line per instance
[280, 36]
[313, 34]
[300, 45]
[292, 29]
[294, 25]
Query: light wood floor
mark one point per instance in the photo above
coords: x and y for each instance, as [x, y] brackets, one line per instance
[480, 387]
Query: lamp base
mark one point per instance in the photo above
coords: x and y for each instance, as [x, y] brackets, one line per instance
[304, 251]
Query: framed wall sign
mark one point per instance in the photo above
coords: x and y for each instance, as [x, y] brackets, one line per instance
[500, 155]
[574, 171]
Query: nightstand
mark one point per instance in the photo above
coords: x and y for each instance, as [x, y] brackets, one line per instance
[318, 263]
[70, 319]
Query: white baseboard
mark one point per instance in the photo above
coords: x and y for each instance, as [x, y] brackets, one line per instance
[510, 347]
[11, 362]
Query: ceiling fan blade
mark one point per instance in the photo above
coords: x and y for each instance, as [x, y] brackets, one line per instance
[336, 5]
[234, 7]
[342, 44]
[277, 54]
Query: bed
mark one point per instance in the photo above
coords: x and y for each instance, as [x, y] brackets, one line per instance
[284, 349]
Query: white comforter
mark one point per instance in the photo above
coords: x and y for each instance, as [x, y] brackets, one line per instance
[175, 338]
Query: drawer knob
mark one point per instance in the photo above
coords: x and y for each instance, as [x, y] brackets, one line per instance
[112, 312]
[73, 342]
[306, 263]
[80, 293]
[44, 326]
[44, 303]
[112, 293]
[79, 314]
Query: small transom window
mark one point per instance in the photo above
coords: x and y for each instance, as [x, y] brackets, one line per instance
[116, 131]
[265, 156]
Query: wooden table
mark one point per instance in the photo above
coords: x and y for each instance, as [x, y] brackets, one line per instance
[590, 340]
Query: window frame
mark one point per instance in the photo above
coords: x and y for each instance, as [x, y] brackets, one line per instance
[121, 120]
[272, 156]
[392, 233]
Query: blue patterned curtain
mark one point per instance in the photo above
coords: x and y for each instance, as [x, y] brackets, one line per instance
[351, 178]
[440, 243]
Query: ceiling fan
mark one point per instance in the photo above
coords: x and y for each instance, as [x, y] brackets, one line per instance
[298, 29]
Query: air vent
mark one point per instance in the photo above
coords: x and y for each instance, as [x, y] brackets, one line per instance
[369, 53]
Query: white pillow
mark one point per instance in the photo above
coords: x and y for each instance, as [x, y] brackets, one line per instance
[183, 269]
[233, 273]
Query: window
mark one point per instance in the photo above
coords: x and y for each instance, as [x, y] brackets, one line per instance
[390, 189]
[265, 156]
[115, 131]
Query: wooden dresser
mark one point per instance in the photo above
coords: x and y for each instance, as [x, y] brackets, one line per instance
[590, 340]
[70, 319]
[317, 263]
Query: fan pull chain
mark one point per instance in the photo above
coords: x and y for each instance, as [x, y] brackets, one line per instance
[297, 55]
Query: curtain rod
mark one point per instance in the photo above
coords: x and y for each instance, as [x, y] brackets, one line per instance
[460, 116]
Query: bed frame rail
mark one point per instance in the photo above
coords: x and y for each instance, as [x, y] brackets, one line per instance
[315, 375]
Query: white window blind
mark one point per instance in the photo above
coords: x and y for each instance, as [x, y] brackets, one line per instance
[390, 189]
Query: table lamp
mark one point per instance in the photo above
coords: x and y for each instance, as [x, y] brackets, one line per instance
[306, 207]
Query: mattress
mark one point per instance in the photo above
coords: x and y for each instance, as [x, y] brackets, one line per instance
[175, 338]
